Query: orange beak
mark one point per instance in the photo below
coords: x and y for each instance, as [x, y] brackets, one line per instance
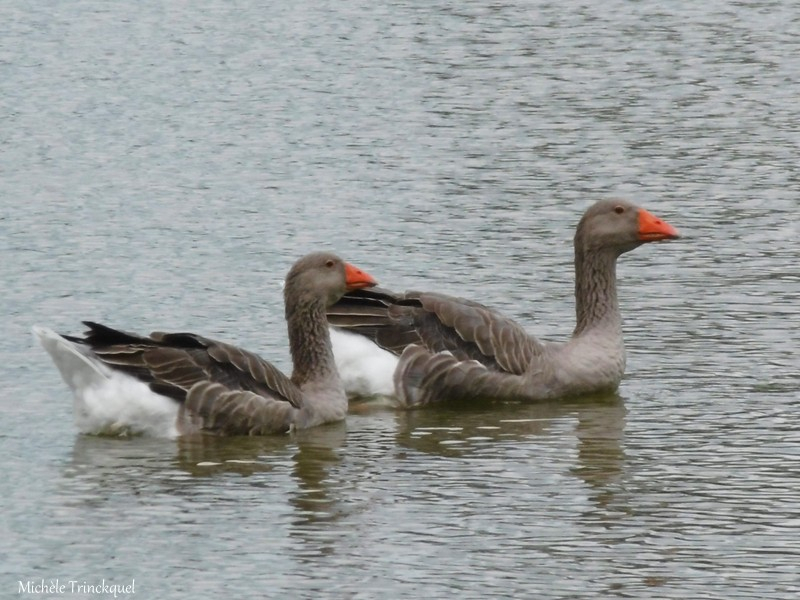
[355, 278]
[652, 229]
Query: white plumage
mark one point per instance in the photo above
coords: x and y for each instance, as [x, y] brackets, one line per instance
[365, 368]
[108, 402]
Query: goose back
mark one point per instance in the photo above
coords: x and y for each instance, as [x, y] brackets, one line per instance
[439, 323]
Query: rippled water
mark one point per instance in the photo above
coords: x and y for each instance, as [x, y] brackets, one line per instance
[162, 166]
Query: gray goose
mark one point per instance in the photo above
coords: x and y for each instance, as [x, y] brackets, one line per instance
[171, 384]
[451, 348]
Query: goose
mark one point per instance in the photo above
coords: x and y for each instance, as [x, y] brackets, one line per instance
[440, 347]
[173, 384]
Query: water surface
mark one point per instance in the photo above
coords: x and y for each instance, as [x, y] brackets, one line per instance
[163, 165]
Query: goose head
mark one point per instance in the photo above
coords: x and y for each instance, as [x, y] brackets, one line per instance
[619, 226]
[324, 277]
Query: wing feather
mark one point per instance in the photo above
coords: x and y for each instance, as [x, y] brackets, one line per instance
[235, 412]
[173, 363]
[439, 323]
[425, 378]
[498, 338]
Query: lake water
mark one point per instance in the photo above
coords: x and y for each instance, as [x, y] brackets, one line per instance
[164, 163]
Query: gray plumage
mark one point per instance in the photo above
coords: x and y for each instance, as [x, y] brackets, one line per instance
[227, 390]
[454, 348]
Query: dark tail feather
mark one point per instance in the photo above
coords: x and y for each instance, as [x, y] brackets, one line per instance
[101, 335]
[378, 315]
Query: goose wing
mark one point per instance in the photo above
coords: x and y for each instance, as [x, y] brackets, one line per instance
[437, 322]
[232, 390]
[424, 378]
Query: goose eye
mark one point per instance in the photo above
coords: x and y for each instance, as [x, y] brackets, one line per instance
[619, 209]
[329, 264]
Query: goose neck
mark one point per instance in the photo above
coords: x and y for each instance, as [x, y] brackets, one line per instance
[309, 343]
[596, 301]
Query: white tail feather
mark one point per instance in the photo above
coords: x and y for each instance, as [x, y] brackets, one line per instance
[108, 402]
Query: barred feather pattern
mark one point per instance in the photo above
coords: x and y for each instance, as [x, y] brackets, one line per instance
[424, 378]
[229, 412]
[438, 323]
[169, 384]
[454, 348]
